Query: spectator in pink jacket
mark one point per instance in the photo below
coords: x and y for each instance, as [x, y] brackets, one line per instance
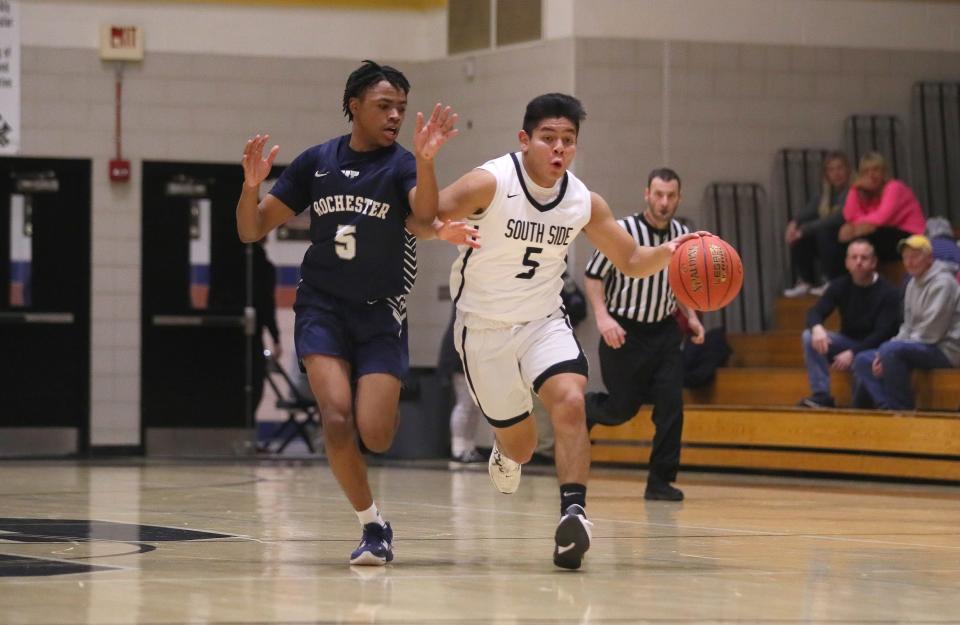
[879, 208]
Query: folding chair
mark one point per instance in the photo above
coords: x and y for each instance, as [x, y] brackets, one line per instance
[302, 412]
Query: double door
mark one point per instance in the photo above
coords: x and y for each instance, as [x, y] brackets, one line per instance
[44, 305]
[201, 358]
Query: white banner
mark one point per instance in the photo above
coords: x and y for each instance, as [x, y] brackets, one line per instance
[9, 77]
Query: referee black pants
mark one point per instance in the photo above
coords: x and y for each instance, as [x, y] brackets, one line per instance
[648, 368]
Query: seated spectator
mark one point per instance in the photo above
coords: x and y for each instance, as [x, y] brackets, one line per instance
[929, 337]
[812, 236]
[880, 208]
[945, 248]
[869, 315]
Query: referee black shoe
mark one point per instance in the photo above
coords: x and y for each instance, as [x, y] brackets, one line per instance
[662, 491]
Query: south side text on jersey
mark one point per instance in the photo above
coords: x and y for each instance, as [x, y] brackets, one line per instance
[536, 232]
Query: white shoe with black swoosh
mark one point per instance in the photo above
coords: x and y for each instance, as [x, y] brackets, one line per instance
[572, 538]
[504, 472]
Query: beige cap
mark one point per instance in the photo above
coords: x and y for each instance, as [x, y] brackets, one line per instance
[917, 242]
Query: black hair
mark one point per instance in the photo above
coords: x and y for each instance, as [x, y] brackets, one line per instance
[553, 105]
[366, 76]
[663, 173]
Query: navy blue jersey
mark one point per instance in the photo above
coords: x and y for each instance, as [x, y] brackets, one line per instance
[358, 201]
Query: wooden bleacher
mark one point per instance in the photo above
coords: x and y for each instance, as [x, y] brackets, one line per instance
[747, 418]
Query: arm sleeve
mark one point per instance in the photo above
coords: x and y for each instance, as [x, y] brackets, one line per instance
[824, 306]
[852, 208]
[810, 211]
[894, 200]
[932, 323]
[290, 188]
[599, 266]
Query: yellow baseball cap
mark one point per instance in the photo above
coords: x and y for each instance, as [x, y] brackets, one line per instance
[915, 241]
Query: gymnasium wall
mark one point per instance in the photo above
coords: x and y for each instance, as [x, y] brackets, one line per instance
[721, 111]
[710, 94]
[490, 92]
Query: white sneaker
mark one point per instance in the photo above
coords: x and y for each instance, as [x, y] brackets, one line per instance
[798, 290]
[818, 290]
[504, 472]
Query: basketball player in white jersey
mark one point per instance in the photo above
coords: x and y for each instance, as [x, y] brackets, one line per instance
[511, 330]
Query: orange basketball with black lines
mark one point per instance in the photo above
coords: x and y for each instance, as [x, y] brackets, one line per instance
[705, 273]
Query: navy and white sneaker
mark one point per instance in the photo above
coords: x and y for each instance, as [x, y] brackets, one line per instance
[572, 538]
[376, 546]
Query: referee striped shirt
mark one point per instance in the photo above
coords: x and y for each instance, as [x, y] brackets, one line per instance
[645, 300]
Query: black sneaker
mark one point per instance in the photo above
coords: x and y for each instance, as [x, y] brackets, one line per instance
[376, 546]
[572, 538]
[662, 491]
[815, 401]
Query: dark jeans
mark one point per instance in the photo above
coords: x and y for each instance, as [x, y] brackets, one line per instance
[899, 358]
[647, 368]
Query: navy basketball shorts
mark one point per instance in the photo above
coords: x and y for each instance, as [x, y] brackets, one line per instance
[503, 361]
[371, 336]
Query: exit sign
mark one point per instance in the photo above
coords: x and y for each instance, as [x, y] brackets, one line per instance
[121, 43]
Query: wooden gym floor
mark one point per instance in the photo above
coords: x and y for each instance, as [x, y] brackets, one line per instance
[267, 542]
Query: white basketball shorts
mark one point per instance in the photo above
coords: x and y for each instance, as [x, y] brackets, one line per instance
[503, 361]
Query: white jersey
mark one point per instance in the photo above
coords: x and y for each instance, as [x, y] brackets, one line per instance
[516, 274]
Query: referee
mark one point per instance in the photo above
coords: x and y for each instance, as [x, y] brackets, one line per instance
[640, 358]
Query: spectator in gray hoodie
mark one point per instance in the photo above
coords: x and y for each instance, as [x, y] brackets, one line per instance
[929, 337]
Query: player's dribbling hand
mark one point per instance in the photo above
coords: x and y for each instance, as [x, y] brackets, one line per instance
[673, 244]
[458, 233]
[430, 136]
[255, 167]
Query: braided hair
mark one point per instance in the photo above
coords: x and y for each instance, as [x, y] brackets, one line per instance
[368, 75]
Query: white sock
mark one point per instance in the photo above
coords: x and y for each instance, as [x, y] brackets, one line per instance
[370, 515]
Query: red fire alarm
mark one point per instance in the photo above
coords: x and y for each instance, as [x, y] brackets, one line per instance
[119, 170]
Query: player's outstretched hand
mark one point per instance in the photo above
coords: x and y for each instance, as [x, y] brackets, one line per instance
[430, 136]
[255, 167]
[459, 233]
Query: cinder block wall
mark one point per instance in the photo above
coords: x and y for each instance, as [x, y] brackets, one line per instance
[712, 111]
[176, 107]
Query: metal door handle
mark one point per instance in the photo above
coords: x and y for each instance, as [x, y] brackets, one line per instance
[216, 321]
[57, 318]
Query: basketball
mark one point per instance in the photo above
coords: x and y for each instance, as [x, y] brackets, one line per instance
[705, 273]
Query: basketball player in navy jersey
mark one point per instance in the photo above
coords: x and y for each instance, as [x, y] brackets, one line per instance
[511, 330]
[366, 195]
